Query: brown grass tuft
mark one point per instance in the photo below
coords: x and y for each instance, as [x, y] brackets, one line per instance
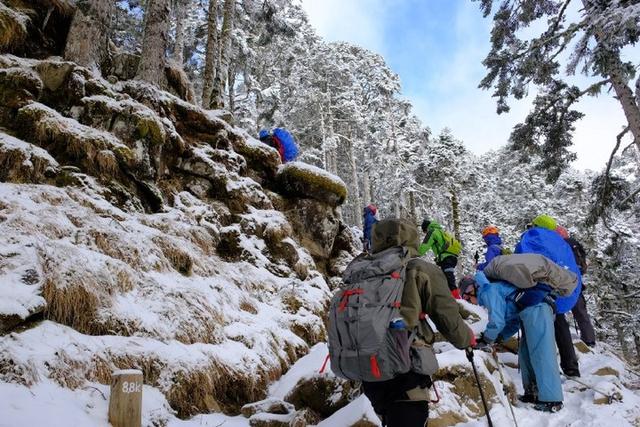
[179, 258]
[13, 27]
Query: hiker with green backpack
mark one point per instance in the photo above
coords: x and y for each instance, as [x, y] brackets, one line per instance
[378, 329]
[446, 249]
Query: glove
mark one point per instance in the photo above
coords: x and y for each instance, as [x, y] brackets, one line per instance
[483, 344]
[455, 293]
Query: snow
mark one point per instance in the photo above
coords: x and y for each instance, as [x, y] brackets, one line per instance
[8, 142]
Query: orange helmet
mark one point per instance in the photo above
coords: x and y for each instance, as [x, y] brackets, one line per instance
[490, 229]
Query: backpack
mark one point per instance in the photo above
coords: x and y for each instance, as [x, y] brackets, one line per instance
[451, 244]
[362, 345]
[579, 253]
[289, 147]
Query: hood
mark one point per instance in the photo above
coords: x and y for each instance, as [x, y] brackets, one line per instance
[395, 232]
[371, 210]
[434, 226]
[492, 239]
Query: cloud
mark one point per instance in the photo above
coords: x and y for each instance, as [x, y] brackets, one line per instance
[355, 21]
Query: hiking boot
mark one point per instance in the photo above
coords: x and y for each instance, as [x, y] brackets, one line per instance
[527, 398]
[548, 406]
[572, 373]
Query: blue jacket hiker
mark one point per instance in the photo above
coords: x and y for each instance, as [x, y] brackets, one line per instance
[369, 218]
[537, 353]
[491, 237]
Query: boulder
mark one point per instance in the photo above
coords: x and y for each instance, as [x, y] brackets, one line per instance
[323, 395]
[300, 180]
[317, 225]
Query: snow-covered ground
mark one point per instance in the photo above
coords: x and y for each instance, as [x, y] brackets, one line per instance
[46, 403]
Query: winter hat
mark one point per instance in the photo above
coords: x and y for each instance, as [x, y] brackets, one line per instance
[372, 208]
[263, 133]
[562, 232]
[425, 224]
[545, 221]
[490, 229]
[465, 282]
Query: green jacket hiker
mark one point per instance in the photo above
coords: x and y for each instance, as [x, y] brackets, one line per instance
[446, 250]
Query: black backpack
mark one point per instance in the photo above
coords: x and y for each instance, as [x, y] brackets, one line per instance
[579, 253]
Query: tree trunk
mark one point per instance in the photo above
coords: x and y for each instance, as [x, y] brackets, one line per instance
[154, 42]
[231, 90]
[455, 213]
[356, 187]
[366, 186]
[181, 14]
[628, 101]
[412, 207]
[211, 57]
[217, 99]
[89, 33]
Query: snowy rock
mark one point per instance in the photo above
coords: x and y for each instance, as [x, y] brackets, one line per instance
[316, 225]
[301, 180]
[18, 86]
[271, 406]
[322, 394]
[24, 162]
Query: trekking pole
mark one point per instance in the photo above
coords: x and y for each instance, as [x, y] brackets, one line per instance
[469, 352]
[505, 390]
[610, 397]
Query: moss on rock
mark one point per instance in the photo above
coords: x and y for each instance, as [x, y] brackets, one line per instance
[305, 181]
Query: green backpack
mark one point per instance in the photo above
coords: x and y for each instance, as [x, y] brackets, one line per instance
[451, 244]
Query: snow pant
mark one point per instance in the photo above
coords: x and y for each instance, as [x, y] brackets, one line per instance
[537, 354]
[568, 358]
[448, 266]
[402, 401]
[587, 333]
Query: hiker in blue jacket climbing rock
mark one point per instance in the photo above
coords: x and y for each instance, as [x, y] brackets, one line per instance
[368, 219]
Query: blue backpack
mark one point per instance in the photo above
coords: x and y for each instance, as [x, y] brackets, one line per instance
[545, 242]
[288, 144]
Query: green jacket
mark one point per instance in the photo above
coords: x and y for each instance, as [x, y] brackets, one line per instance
[425, 288]
[434, 241]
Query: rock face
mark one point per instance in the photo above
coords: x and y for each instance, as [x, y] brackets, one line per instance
[153, 234]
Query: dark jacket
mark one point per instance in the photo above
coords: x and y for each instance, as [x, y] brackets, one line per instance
[494, 248]
[369, 220]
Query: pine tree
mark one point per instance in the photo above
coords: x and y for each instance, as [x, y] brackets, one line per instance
[597, 38]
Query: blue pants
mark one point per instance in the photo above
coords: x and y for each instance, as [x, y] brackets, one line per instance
[537, 354]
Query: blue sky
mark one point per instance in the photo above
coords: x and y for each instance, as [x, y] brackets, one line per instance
[437, 48]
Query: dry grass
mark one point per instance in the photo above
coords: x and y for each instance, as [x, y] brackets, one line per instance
[14, 167]
[179, 258]
[75, 297]
[13, 27]
[117, 248]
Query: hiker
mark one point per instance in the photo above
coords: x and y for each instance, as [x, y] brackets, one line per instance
[542, 238]
[281, 140]
[446, 250]
[379, 294]
[521, 292]
[368, 219]
[491, 237]
[580, 314]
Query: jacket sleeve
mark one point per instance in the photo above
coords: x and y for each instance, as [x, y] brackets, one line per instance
[430, 244]
[495, 304]
[427, 281]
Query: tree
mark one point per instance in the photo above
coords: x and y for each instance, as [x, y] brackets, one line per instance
[212, 57]
[89, 33]
[598, 35]
[154, 42]
[222, 72]
[180, 7]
